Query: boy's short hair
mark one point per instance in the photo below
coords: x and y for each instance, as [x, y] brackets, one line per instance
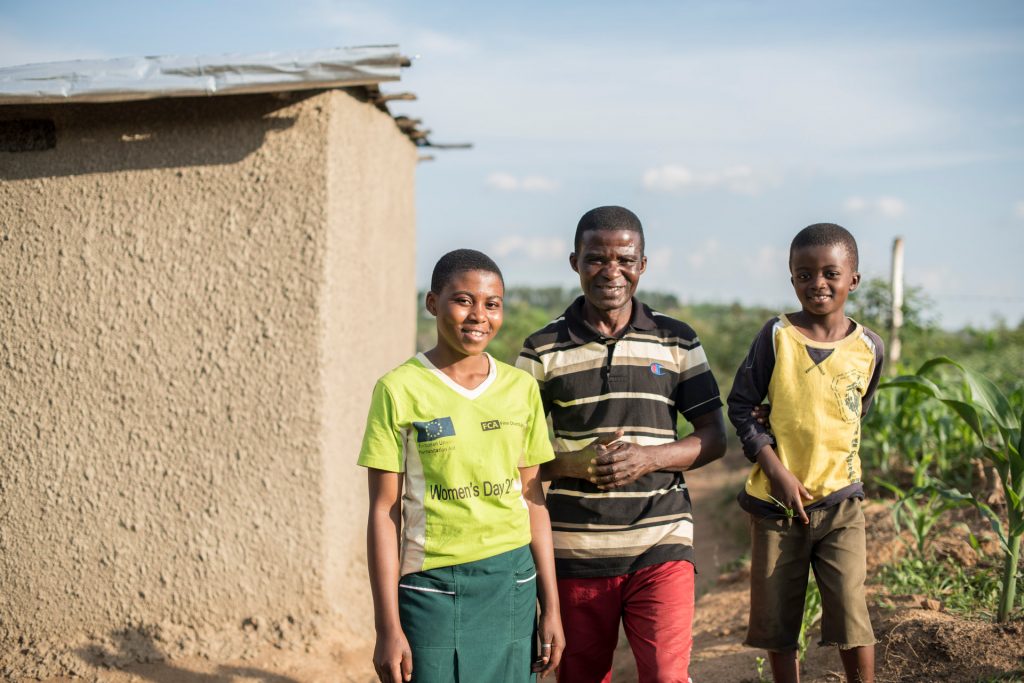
[608, 218]
[459, 261]
[826, 235]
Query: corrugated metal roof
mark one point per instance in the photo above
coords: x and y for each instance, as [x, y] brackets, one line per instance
[142, 78]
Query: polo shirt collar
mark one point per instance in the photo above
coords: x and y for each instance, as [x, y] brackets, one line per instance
[582, 332]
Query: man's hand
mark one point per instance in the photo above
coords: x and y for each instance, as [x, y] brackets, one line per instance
[761, 413]
[392, 658]
[577, 464]
[621, 463]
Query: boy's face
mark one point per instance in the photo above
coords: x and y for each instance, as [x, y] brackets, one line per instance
[823, 278]
[610, 263]
[469, 311]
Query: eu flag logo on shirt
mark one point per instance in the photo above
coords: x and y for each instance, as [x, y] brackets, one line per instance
[435, 429]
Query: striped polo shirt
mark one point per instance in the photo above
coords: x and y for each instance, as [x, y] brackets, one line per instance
[638, 382]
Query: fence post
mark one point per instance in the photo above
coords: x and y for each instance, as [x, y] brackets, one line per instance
[896, 289]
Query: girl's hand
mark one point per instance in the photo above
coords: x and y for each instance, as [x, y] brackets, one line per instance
[552, 643]
[392, 658]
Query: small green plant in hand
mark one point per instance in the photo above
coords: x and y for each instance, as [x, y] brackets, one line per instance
[790, 512]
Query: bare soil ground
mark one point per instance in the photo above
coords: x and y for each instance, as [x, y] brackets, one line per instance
[918, 641]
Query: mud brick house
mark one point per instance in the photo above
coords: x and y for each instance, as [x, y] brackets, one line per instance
[204, 265]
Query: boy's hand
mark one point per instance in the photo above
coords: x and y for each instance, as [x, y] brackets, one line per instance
[552, 643]
[392, 658]
[790, 492]
[786, 488]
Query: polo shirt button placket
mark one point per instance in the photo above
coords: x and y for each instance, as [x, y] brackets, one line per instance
[611, 377]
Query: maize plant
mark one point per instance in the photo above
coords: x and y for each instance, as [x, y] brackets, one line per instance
[980, 404]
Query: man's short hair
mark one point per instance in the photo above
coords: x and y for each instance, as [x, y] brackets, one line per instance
[608, 218]
[826, 235]
[460, 261]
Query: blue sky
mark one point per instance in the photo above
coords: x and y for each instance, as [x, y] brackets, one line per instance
[726, 126]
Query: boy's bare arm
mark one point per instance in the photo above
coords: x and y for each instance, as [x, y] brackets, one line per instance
[392, 656]
[786, 488]
[621, 463]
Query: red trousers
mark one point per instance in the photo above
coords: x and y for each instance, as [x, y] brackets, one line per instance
[655, 605]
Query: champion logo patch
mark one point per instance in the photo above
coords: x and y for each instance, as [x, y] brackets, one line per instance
[657, 369]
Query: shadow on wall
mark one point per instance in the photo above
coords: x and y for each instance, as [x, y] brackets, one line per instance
[136, 647]
[56, 140]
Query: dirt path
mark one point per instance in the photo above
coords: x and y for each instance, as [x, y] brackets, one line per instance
[719, 625]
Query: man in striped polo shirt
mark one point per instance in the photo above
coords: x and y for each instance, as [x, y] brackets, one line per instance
[613, 375]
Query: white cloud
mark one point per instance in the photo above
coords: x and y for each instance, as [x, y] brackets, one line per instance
[659, 259]
[507, 182]
[532, 247]
[767, 263]
[890, 207]
[741, 179]
[1018, 209]
[705, 253]
[16, 50]
[937, 279]
[855, 204]
[435, 42]
[362, 23]
[503, 181]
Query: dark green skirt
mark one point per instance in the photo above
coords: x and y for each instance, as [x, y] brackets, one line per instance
[473, 622]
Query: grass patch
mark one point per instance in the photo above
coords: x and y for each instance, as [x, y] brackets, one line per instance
[968, 591]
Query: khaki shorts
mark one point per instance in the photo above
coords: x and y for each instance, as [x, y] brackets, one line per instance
[782, 552]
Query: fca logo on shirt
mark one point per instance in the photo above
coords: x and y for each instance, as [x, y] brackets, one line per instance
[435, 429]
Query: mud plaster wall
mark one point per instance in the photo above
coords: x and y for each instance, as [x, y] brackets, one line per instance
[367, 329]
[184, 363]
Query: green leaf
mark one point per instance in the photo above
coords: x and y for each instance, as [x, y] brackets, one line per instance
[983, 393]
[915, 382]
[987, 512]
[1020, 435]
[893, 488]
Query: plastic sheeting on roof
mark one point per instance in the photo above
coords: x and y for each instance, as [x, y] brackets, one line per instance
[142, 78]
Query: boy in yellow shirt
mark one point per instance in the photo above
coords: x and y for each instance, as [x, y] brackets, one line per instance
[818, 370]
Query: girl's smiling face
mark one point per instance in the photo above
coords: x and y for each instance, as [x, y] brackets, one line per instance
[469, 311]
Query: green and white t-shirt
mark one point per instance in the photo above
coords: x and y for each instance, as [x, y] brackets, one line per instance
[460, 450]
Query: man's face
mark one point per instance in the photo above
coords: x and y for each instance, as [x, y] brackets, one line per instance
[609, 263]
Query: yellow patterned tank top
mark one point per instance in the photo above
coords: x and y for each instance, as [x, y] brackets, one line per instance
[816, 393]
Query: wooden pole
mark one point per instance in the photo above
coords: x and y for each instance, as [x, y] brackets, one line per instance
[896, 288]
